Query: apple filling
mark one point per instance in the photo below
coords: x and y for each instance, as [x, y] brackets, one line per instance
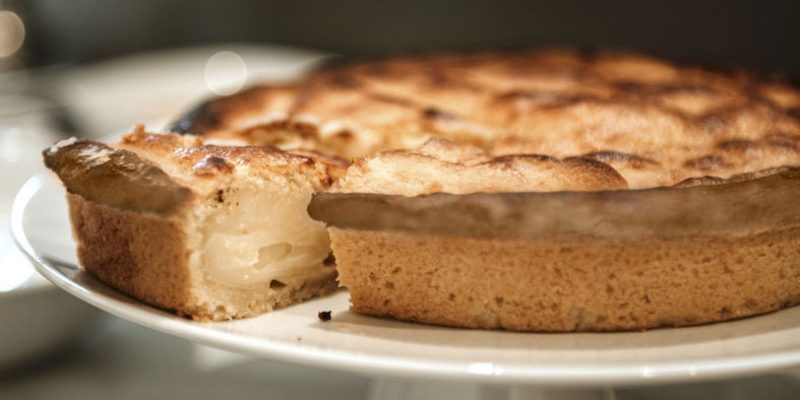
[260, 233]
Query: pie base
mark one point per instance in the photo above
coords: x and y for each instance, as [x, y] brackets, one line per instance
[568, 283]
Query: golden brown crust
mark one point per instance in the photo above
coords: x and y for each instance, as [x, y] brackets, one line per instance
[567, 283]
[115, 177]
[738, 206]
[140, 254]
[618, 109]
[191, 161]
[440, 165]
[212, 117]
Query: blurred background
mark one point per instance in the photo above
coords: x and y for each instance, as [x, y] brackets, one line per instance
[759, 34]
[48, 37]
[93, 68]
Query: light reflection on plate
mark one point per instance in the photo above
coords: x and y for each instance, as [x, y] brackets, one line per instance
[16, 269]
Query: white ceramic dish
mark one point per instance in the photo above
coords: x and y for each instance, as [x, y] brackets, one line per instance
[397, 349]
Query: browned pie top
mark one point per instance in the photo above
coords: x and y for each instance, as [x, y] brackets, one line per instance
[159, 172]
[189, 158]
[519, 121]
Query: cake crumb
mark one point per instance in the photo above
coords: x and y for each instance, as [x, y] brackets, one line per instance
[324, 315]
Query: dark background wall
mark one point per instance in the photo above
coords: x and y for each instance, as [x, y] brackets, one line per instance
[756, 34]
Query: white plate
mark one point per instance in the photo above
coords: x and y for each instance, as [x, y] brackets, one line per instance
[391, 348]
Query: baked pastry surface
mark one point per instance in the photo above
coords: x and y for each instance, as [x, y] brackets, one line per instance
[653, 122]
[581, 127]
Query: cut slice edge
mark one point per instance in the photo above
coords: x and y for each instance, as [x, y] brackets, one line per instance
[232, 242]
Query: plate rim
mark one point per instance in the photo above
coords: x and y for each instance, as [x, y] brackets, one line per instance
[672, 371]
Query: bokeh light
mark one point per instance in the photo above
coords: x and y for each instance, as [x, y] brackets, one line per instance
[12, 33]
[225, 73]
